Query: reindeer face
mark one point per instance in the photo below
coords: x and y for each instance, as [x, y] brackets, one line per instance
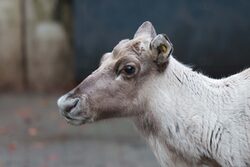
[113, 89]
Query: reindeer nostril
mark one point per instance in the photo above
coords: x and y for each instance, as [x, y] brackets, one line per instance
[69, 107]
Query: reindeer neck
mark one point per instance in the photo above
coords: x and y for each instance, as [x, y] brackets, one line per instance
[175, 107]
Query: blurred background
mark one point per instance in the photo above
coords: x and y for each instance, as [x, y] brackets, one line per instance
[48, 46]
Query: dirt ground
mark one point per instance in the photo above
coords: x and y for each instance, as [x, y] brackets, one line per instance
[33, 134]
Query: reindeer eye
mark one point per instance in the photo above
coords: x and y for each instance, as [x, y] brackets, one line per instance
[129, 69]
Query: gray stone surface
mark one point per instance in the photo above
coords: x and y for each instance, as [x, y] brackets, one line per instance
[34, 135]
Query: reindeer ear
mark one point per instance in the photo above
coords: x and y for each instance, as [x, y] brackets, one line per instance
[146, 29]
[161, 48]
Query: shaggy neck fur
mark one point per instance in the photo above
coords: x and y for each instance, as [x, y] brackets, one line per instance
[190, 118]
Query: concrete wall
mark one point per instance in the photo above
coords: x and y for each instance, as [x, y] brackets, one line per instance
[35, 51]
[49, 55]
[10, 45]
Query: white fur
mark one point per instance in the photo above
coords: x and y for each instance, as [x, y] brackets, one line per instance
[199, 117]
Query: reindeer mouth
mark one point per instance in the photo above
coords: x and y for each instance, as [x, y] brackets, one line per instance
[76, 120]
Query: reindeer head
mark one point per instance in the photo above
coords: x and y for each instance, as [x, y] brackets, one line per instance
[113, 89]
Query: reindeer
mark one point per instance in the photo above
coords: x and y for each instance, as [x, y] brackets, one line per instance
[188, 119]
